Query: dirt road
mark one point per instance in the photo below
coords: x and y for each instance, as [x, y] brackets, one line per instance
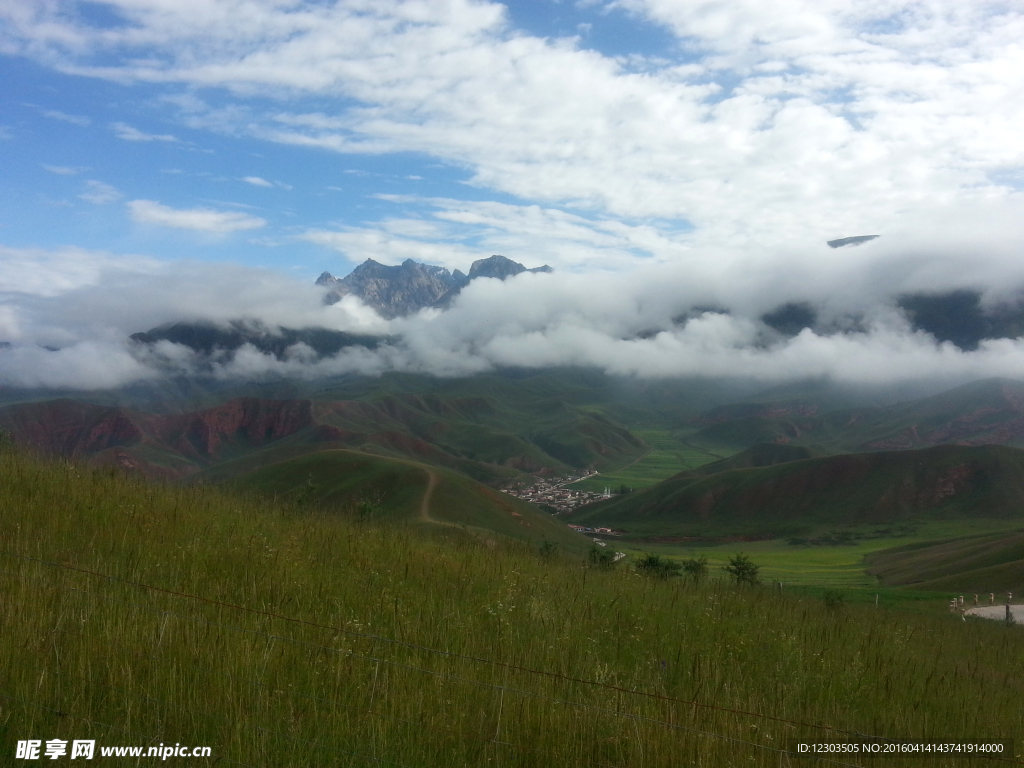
[998, 612]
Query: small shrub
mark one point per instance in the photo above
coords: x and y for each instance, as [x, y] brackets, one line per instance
[601, 558]
[368, 508]
[307, 493]
[658, 567]
[833, 599]
[742, 569]
[548, 548]
[696, 567]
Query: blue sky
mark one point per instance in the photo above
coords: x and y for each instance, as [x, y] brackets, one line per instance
[709, 146]
[79, 149]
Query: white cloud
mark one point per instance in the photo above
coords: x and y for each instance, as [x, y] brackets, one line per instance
[87, 303]
[201, 219]
[54, 114]
[258, 181]
[128, 133]
[639, 322]
[460, 232]
[51, 273]
[99, 193]
[781, 124]
[65, 170]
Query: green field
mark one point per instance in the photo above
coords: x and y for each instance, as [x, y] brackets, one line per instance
[818, 566]
[669, 453]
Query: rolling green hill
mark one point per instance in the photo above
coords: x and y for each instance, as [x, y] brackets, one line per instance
[798, 496]
[979, 564]
[396, 490]
[758, 455]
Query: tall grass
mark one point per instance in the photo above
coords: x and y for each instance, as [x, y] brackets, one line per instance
[435, 651]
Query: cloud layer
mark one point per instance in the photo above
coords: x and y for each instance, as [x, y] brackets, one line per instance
[704, 177]
[69, 314]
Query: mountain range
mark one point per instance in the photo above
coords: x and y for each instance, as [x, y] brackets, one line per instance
[985, 412]
[490, 438]
[412, 286]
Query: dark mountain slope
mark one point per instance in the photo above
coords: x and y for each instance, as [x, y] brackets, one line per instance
[850, 489]
[208, 338]
[486, 438]
[986, 412]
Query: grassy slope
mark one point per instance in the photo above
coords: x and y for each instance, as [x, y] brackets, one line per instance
[340, 480]
[853, 489]
[670, 453]
[979, 564]
[103, 659]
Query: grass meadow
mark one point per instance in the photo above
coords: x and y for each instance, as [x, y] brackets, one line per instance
[669, 454]
[822, 566]
[138, 614]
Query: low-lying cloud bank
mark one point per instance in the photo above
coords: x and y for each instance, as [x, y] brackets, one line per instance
[67, 316]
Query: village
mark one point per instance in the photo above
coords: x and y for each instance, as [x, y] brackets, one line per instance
[553, 494]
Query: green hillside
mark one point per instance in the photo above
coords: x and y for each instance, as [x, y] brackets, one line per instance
[871, 489]
[980, 564]
[280, 635]
[396, 490]
[758, 455]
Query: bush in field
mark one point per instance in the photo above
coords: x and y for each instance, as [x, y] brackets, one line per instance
[742, 569]
[833, 599]
[308, 492]
[548, 548]
[368, 508]
[696, 567]
[658, 567]
[602, 558]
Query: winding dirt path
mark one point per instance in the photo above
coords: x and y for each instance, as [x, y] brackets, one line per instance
[428, 494]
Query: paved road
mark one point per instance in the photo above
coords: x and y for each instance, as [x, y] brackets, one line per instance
[998, 612]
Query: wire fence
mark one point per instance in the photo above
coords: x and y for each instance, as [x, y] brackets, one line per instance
[377, 700]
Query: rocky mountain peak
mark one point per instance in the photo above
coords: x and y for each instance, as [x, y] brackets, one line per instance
[500, 267]
[412, 286]
[326, 278]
